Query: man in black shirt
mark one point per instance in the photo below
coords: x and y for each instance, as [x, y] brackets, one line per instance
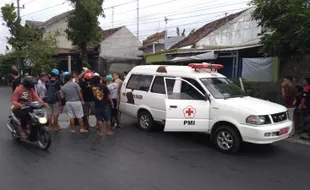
[16, 80]
[102, 101]
[89, 107]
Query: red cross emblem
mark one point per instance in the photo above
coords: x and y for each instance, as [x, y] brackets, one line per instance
[189, 112]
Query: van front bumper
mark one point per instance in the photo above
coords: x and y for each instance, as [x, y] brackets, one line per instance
[265, 134]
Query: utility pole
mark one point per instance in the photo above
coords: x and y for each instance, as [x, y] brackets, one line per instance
[138, 19]
[166, 32]
[20, 63]
[112, 16]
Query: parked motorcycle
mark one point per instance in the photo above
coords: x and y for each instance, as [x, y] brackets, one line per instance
[38, 126]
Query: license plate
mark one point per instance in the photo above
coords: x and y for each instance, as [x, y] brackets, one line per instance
[283, 131]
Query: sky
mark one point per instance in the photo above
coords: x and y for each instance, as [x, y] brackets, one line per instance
[185, 14]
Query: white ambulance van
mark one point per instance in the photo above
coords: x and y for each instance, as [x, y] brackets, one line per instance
[196, 98]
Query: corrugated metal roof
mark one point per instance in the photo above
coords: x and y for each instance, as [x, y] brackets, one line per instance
[237, 48]
[205, 30]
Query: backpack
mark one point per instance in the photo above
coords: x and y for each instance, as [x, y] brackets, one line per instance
[51, 93]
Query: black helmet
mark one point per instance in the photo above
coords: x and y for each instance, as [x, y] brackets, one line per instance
[29, 82]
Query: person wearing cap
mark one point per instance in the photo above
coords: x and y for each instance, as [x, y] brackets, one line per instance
[102, 101]
[53, 99]
[86, 86]
[113, 87]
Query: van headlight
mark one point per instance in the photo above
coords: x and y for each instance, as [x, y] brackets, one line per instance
[258, 119]
[42, 120]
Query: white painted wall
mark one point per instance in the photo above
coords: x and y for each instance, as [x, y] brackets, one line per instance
[121, 44]
[60, 27]
[238, 32]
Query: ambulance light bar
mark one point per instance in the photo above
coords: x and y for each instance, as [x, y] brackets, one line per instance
[205, 67]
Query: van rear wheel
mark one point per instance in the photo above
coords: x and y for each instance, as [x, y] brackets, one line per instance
[227, 139]
[145, 121]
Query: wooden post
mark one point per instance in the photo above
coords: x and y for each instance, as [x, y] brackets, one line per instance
[69, 63]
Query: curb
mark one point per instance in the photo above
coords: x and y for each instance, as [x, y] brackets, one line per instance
[298, 140]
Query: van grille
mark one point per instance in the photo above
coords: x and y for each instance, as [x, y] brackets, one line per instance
[278, 117]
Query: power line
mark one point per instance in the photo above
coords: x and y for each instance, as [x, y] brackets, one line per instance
[192, 16]
[118, 5]
[44, 9]
[148, 6]
[29, 2]
[187, 12]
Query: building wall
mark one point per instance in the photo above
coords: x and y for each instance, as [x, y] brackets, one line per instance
[59, 28]
[169, 41]
[238, 32]
[158, 47]
[121, 44]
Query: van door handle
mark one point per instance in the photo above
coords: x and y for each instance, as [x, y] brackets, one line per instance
[173, 106]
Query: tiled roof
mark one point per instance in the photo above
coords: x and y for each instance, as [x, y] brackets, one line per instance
[205, 30]
[154, 38]
[55, 19]
[33, 24]
[107, 33]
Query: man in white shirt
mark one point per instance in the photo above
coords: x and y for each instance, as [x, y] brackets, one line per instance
[40, 87]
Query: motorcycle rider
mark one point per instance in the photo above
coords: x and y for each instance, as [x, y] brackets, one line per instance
[22, 94]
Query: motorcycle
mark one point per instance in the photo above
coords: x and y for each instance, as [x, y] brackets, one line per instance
[38, 126]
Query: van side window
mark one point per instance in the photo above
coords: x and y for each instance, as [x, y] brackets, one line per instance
[159, 85]
[190, 93]
[145, 82]
[133, 82]
[140, 82]
[195, 83]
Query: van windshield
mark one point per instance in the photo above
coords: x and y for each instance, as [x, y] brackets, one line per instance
[222, 88]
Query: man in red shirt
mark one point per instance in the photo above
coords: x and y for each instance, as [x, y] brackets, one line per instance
[305, 105]
[22, 94]
[289, 96]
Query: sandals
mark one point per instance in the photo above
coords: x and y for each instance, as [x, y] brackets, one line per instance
[83, 131]
[100, 134]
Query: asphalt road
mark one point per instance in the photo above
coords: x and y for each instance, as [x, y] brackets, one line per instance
[133, 159]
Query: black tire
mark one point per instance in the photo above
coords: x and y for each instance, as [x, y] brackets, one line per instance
[146, 117]
[15, 136]
[232, 140]
[48, 139]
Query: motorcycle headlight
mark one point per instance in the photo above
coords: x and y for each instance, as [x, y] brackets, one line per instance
[258, 119]
[42, 120]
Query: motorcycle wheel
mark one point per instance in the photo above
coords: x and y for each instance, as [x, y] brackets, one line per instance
[15, 136]
[44, 139]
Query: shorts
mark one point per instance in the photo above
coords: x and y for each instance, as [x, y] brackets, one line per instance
[89, 106]
[53, 109]
[74, 109]
[103, 114]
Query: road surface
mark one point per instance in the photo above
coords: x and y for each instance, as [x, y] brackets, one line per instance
[136, 160]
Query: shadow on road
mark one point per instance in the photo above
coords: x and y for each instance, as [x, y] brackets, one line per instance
[246, 150]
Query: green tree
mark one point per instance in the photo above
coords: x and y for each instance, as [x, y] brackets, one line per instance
[6, 62]
[83, 26]
[288, 26]
[39, 53]
[29, 44]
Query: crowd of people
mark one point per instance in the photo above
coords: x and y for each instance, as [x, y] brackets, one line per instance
[296, 98]
[77, 95]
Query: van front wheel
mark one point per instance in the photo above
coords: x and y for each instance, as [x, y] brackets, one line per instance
[227, 139]
[145, 121]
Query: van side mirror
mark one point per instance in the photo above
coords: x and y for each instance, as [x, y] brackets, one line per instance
[248, 91]
[207, 97]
